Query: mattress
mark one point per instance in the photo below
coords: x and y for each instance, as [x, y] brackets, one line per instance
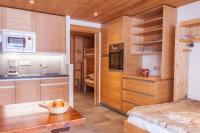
[176, 117]
[148, 126]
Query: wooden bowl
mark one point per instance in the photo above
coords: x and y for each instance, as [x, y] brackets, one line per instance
[57, 106]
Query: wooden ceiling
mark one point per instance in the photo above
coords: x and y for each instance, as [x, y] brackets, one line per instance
[84, 9]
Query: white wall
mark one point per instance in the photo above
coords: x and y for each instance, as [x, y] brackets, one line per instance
[189, 12]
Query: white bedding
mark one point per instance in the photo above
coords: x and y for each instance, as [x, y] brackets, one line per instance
[150, 127]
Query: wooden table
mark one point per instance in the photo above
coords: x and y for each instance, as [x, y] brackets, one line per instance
[30, 118]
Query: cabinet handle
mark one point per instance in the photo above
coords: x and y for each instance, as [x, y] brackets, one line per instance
[54, 84]
[7, 87]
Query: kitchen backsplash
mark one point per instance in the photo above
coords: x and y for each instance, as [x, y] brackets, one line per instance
[30, 63]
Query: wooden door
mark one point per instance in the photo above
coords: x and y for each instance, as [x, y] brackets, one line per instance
[15, 19]
[115, 89]
[116, 31]
[27, 90]
[105, 38]
[7, 92]
[104, 81]
[50, 30]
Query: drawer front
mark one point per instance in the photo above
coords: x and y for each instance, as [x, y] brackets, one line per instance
[7, 83]
[54, 80]
[141, 86]
[127, 106]
[137, 98]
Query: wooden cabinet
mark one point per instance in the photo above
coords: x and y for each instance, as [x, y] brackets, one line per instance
[138, 91]
[117, 30]
[105, 38]
[7, 92]
[104, 80]
[50, 30]
[115, 88]
[54, 88]
[27, 90]
[15, 19]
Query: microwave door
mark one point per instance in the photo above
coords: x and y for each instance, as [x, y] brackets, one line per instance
[15, 43]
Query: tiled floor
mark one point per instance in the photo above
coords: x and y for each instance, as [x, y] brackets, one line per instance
[98, 118]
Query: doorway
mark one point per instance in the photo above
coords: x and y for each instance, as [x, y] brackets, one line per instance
[83, 58]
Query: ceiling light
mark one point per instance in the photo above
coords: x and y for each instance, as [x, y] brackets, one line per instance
[31, 1]
[96, 14]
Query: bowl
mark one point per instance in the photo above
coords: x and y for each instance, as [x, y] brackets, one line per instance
[58, 106]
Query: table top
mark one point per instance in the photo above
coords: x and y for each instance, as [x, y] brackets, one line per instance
[30, 117]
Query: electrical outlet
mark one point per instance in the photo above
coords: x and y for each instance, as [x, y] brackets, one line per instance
[24, 63]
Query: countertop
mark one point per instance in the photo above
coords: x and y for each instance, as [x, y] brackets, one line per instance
[28, 76]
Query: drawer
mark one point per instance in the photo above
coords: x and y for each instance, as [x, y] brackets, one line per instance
[54, 80]
[7, 83]
[127, 106]
[137, 98]
[141, 86]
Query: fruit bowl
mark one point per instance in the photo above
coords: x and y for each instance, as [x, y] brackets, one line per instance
[58, 106]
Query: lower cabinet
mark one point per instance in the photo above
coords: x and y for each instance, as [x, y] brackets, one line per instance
[115, 88]
[54, 89]
[139, 92]
[7, 92]
[27, 90]
[32, 90]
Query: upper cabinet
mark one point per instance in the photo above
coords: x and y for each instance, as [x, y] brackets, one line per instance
[15, 19]
[50, 31]
[116, 30]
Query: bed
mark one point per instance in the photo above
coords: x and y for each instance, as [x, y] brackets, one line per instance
[176, 117]
[89, 81]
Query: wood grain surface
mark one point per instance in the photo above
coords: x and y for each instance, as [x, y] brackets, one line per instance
[29, 117]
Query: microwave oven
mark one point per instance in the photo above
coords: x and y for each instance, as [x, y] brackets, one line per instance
[18, 41]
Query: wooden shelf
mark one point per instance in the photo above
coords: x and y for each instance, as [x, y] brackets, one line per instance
[149, 32]
[152, 22]
[191, 23]
[195, 40]
[156, 53]
[150, 42]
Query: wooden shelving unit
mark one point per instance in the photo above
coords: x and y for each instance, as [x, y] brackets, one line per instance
[155, 29]
[151, 46]
[189, 28]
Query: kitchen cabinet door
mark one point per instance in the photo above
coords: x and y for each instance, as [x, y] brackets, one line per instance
[7, 92]
[50, 30]
[115, 89]
[105, 38]
[27, 90]
[117, 30]
[54, 88]
[54, 91]
[15, 19]
[104, 81]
